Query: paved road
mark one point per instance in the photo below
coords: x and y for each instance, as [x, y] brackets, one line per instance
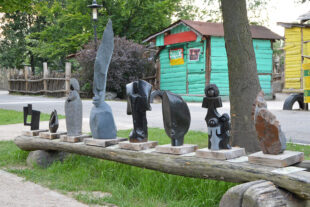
[295, 124]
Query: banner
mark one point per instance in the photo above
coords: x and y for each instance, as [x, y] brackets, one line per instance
[176, 56]
[193, 54]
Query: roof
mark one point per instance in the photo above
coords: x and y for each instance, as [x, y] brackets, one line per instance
[290, 25]
[216, 29]
[304, 17]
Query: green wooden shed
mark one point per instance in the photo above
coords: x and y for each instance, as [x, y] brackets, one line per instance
[192, 54]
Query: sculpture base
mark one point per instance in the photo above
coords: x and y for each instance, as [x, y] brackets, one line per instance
[103, 142]
[137, 146]
[49, 135]
[33, 133]
[73, 139]
[176, 150]
[284, 159]
[224, 154]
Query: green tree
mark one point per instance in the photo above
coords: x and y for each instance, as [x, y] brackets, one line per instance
[8, 6]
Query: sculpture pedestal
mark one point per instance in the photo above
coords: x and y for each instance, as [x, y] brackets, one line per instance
[103, 142]
[224, 154]
[176, 150]
[49, 135]
[73, 139]
[137, 146]
[284, 159]
[33, 133]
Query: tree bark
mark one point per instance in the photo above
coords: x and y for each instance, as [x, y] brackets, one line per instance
[189, 166]
[243, 79]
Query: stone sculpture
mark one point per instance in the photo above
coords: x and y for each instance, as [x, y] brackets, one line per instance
[35, 117]
[270, 136]
[74, 110]
[176, 117]
[138, 102]
[53, 123]
[218, 126]
[102, 123]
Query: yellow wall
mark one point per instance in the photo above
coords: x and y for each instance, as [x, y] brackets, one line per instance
[293, 73]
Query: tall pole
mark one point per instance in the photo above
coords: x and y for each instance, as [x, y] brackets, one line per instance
[95, 34]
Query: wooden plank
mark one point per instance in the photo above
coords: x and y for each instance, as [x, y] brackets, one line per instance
[190, 166]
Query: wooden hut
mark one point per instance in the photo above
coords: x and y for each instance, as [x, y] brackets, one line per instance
[192, 54]
[297, 52]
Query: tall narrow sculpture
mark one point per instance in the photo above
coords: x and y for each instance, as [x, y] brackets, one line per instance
[73, 110]
[102, 123]
[218, 126]
[138, 102]
[176, 117]
[35, 117]
[53, 123]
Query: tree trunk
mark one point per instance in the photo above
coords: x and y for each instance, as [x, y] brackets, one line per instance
[243, 79]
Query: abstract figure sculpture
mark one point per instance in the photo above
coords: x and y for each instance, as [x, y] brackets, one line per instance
[176, 117]
[102, 123]
[73, 110]
[35, 117]
[53, 123]
[218, 126]
[138, 102]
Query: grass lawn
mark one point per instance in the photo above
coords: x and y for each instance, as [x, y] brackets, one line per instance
[130, 186]
[15, 117]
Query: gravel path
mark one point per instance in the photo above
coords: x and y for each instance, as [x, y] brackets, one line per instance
[15, 191]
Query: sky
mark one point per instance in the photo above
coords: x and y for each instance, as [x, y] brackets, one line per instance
[278, 11]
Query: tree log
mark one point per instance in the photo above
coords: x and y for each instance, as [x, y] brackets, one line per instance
[260, 193]
[190, 166]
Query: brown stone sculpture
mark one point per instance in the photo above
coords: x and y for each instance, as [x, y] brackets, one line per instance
[270, 136]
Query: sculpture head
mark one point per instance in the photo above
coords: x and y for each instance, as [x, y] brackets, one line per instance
[211, 90]
[74, 85]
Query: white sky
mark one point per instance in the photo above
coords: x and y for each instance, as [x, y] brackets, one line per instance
[278, 11]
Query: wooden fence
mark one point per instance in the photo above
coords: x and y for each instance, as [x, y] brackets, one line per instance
[49, 83]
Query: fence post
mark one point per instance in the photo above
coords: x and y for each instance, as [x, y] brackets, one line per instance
[26, 77]
[68, 76]
[45, 76]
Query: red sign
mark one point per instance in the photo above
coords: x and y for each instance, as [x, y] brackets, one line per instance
[180, 37]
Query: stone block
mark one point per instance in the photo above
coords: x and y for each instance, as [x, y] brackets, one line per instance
[176, 150]
[284, 159]
[49, 135]
[224, 154]
[73, 139]
[103, 142]
[32, 133]
[45, 158]
[138, 146]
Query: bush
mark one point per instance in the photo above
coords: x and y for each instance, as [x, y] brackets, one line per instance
[128, 63]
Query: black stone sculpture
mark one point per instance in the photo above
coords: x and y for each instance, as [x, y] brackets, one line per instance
[35, 117]
[53, 123]
[218, 126]
[176, 117]
[101, 119]
[138, 102]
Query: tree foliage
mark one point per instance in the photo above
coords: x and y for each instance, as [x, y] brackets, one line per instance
[128, 63]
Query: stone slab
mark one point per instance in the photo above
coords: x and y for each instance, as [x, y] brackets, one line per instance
[176, 150]
[137, 146]
[49, 135]
[224, 154]
[73, 139]
[284, 159]
[103, 142]
[32, 133]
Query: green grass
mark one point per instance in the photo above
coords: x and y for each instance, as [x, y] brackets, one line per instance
[15, 117]
[130, 186]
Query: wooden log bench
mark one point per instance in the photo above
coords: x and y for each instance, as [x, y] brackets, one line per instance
[185, 165]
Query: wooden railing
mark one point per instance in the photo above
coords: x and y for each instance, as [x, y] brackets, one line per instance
[52, 84]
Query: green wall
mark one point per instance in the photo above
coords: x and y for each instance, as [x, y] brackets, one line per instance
[219, 67]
